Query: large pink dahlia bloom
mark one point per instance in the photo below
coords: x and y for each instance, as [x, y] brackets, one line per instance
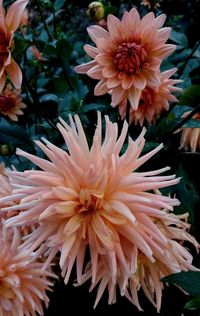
[153, 101]
[9, 22]
[95, 199]
[127, 57]
[22, 285]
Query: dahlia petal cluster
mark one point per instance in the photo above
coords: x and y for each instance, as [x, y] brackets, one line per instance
[190, 137]
[9, 22]
[153, 101]
[22, 285]
[127, 56]
[11, 104]
[94, 200]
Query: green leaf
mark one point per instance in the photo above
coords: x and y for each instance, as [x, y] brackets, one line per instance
[191, 96]
[188, 281]
[193, 304]
[179, 38]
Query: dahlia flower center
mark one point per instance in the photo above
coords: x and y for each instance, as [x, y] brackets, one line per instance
[89, 201]
[6, 103]
[130, 58]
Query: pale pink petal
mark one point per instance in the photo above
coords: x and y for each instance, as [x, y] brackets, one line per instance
[14, 14]
[118, 94]
[134, 97]
[95, 72]
[101, 88]
[113, 82]
[139, 81]
[96, 32]
[113, 25]
[84, 68]
[160, 20]
[15, 74]
[91, 50]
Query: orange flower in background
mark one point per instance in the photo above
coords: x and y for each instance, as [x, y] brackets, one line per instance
[190, 137]
[11, 104]
[153, 101]
[36, 53]
[22, 285]
[8, 25]
[127, 57]
[92, 198]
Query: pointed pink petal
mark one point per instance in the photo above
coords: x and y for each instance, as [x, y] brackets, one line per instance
[113, 25]
[104, 45]
[134, 97]
[14, 14]
[91, 51]
[164, 51]
[96, 31]
[95, 72]
[168, 73]
[160, 20]
[101, 88]
[15, 74]
[118, 95]
[113, 82]
[83, 69]
[139, 81]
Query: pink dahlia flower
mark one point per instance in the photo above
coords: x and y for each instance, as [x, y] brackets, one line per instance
[8, 25]
[91, 198]
[153, 101]
[22, 285]
[190, 137]
[127, 57]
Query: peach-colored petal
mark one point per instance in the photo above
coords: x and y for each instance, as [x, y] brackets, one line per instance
[101, 88]
[91, 51]
[84, 68]
[96, 31]
[95, 72]
[14, 14]
[15, 74]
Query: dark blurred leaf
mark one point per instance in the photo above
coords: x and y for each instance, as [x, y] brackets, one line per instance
[193, 304]
[179, 38]
[191, 96]
[49, 98]
[58, 4]
[192, 124]
[13, 134]
[188, 281]
[63, 47]
[93, 106]
[184, 189]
